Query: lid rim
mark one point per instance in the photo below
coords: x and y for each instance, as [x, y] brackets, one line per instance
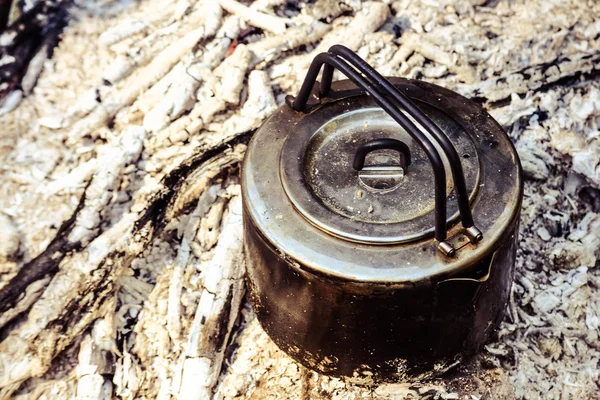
[313, 207]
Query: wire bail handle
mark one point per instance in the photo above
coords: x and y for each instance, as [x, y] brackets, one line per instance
[381, 90]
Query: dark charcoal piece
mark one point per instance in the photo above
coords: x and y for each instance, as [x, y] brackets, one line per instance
[36, 30]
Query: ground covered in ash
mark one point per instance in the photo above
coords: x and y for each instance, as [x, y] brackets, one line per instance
[137, 91]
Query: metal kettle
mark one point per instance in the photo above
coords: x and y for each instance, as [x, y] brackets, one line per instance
[381, 220]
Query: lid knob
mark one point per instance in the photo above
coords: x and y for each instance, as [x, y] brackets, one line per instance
[381, 177]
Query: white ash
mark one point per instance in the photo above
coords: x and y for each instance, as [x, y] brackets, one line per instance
[111, 162]
[9, 238]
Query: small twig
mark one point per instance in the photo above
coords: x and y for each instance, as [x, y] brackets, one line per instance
[263, 21]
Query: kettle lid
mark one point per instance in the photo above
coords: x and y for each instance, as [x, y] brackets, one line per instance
[354, 172]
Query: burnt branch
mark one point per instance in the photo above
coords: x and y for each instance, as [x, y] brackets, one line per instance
[540, 77]
[36, 30]
[44, 264]
[79, 293]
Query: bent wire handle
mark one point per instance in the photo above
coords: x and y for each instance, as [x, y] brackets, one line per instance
[332, 61]
[438, 167]
[381, 144]
[466, 216]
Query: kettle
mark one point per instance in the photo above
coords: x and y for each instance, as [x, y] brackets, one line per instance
[380, 224]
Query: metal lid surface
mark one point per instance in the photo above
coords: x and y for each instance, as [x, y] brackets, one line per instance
[384, 202]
